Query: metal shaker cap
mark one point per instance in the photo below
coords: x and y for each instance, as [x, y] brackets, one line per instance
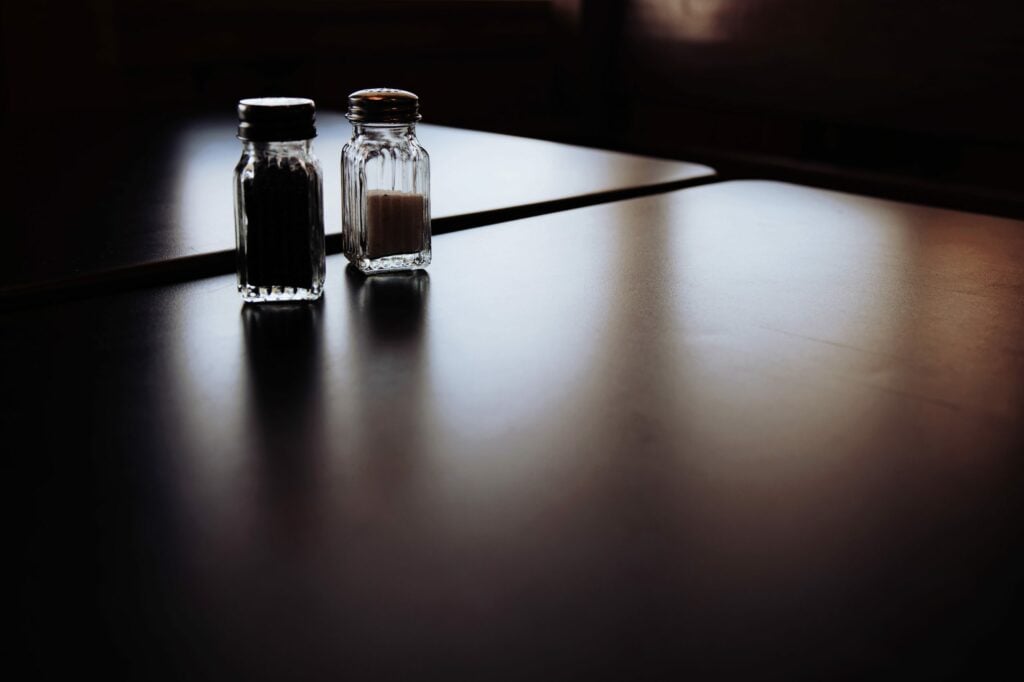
[267, 119]
[383, 105]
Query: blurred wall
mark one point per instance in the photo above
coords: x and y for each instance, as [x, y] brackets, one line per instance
[918, 98]
[471, 61]
[928, 91]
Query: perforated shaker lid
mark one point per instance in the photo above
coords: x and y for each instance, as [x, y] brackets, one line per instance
[383, 105]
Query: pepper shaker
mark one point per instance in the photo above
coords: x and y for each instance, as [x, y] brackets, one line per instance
[279, 218]
[385, 184]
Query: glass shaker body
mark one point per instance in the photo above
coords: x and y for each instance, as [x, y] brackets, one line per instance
[386, 197]
[279, 225]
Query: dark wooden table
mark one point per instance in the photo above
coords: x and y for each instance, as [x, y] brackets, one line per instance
[741, 431]
[136, 202]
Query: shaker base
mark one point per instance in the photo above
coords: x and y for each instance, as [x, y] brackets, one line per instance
[402, 261]
[277, 294]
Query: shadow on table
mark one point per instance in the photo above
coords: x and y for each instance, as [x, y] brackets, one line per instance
[387, 324]
[284, 349]
[391, 307]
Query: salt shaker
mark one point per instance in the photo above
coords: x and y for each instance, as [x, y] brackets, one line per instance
[385, 178]
[279, 216]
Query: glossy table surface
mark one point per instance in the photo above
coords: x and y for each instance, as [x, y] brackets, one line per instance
[742, 431]
[108, 200]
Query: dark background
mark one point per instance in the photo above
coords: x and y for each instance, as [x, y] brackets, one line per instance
[915, 99]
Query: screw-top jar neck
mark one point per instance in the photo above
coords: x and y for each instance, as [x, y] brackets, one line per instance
[286, 149]
[383, 130]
